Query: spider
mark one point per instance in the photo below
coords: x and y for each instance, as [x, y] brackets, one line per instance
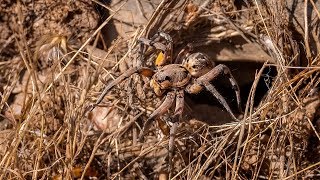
[193, 75]
[173, 79]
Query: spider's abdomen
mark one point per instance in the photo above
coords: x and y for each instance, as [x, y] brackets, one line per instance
[170, 76]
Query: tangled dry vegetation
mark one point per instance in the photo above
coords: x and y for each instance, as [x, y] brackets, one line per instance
[56, 56]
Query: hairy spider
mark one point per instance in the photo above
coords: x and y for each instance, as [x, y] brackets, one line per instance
[172, 80]
[193, 75]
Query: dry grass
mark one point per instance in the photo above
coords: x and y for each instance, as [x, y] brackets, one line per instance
[47, 88]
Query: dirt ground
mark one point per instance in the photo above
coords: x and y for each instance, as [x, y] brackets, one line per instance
[56, 58]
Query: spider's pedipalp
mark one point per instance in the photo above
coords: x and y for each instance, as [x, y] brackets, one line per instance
[165, 106]
[142, 70]
[221, 68]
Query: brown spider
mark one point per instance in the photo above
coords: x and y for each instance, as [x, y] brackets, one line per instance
[193, 75]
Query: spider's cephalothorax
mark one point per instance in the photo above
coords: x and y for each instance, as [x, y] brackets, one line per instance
[172, 76]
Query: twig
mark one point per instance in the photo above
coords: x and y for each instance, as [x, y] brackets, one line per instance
[306, 32]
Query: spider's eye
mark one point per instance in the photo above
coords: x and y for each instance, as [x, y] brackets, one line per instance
[167, 78]
[195, 67]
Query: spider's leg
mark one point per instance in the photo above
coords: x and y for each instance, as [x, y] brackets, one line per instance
[221, 68]
[220, 98]
[164, 35]
[167, 103]
[162, 57]
[148, 42]
[173, 130]
[177, 114]
[179, 104]
[152, 42]
[142, 70]
[167, 48]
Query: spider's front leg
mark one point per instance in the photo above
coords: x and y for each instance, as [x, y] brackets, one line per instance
[204, 80]
[224, 70]
[163, 108]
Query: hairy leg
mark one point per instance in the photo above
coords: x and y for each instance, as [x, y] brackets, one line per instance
[165, 106]
[179, 103]
[222, 69]
[142, 70]
[166, 48]
[173, 130]
[164, 35]
[220, 98]
[169, 49]
[177, 116]
[148, 42]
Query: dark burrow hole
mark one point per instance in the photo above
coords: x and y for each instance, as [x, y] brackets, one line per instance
[205, 107]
